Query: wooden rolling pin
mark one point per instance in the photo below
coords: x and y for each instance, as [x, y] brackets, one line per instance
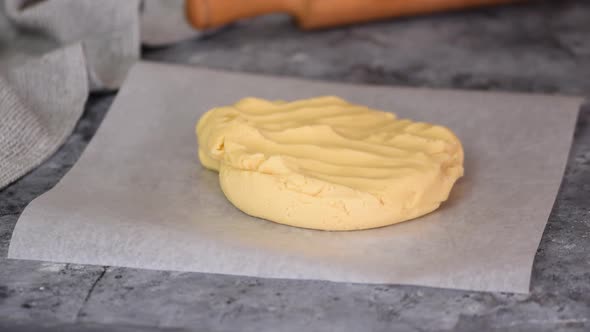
[313, 14]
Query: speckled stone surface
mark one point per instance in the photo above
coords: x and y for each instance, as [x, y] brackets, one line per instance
[543, 47]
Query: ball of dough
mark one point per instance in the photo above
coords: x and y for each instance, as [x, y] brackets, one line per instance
[327, 164]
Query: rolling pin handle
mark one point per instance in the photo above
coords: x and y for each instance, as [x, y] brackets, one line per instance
[206, 14]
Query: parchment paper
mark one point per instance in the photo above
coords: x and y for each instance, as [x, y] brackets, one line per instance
[138, 196]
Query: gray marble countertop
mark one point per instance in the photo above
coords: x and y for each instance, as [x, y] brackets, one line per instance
[542, 47]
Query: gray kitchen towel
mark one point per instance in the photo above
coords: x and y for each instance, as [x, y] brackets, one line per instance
[93, 44]
[163, 22]
[40, 104]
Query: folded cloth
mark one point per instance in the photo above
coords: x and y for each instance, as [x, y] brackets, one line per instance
[96, 42]
[40, 104]
[163, 22]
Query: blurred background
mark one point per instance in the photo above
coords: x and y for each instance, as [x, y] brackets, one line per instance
[535, 46]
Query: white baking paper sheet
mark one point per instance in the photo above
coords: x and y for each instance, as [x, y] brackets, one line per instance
[138, 196]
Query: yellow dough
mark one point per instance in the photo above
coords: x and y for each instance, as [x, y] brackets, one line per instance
[323, 163]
